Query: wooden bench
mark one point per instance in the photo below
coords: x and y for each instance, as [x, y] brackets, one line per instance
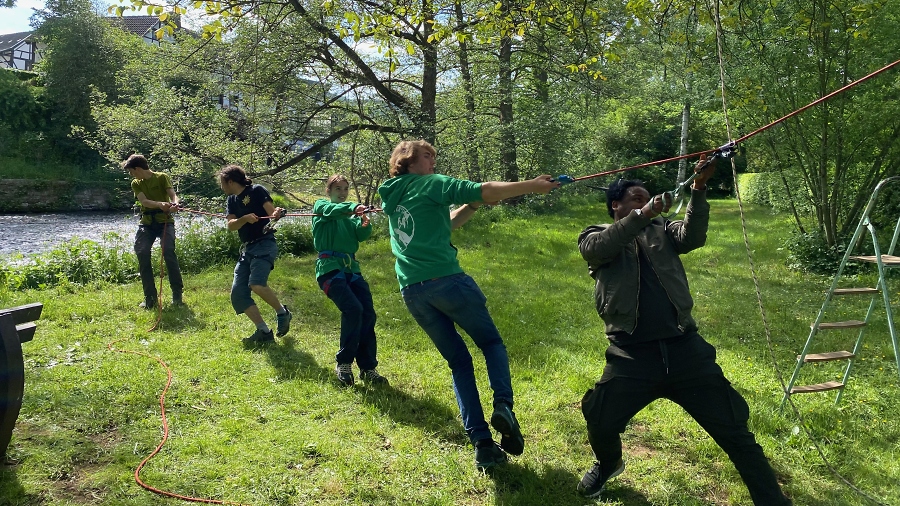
[16, 327]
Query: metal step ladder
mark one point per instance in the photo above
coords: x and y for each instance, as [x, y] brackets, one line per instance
[880, 296]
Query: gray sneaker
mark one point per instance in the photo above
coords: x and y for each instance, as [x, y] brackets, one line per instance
[372, 377]
[259, 338]
[148, 304]
[284, 322]
[488, 454]
[594, 481]
[344, 374]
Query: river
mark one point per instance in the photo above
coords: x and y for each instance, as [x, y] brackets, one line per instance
[39, 232]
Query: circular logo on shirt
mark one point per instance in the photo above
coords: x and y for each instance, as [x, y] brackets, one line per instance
[404, 228]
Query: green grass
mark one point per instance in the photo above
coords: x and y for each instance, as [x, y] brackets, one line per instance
[272, 426]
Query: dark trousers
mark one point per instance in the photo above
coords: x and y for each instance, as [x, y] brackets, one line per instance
[143, 244]
[683, 370]
[354, 299]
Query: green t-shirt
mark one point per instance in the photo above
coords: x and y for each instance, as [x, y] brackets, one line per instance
[337, 230]
[154, 188]
[419, 211]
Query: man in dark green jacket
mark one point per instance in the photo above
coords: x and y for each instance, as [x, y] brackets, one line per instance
[655, 351]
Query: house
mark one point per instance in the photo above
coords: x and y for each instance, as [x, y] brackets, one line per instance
[144, 27]
[19, 51]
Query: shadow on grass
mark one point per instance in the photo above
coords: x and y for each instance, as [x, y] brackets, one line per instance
[426, 413]
[520, 485]
[293, 363]
[178, 318]
[11, 491]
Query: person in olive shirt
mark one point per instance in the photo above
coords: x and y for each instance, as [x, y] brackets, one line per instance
[158, 200]
[248, 208]
[439, 295]
[337, 230]
[655, 350]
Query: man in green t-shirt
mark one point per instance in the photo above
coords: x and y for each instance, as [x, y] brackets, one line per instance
[158, 200]
[439, 295]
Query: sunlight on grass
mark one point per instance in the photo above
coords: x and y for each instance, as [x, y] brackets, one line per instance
[273, 427]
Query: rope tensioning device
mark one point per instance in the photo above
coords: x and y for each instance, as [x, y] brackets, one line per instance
[724, 152]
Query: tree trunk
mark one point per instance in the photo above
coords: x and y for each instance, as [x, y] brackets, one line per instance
[508, 164]
[471, 147]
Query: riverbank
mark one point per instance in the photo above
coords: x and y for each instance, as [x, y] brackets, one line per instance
[35, 195]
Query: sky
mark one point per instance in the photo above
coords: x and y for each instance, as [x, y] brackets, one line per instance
[16, 19]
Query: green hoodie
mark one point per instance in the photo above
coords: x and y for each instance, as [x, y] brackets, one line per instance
[419, 211]
[339, 230]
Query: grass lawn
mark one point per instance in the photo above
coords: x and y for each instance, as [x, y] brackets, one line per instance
[273, 427]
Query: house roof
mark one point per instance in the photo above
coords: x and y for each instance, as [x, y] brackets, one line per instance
[138, 25]
[12, 40]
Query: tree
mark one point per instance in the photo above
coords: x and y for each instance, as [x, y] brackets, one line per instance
[81, 56]
[794, 52]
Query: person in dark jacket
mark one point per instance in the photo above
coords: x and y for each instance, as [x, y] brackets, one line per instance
[655, 351]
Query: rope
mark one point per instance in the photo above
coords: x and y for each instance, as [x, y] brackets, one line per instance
[368, 210]
[165, 424]
[753, 273]
[745, 137]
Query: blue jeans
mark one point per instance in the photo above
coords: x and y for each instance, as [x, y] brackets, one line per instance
[354, 299]
[143, 244]
[253, 268]
[437, 305]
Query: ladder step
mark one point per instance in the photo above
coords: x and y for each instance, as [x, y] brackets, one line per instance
[819, 387]
[827, 357]
[849, 324]
[885, 259]
[854, 291]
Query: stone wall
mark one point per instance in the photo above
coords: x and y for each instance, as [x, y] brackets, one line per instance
[31, 196]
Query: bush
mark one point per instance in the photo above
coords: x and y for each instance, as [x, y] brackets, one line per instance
[294, 238]
[206, 243]
[810, 253]
[767, 189]
[76, 261]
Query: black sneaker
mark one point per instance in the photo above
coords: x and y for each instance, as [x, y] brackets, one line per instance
[148, 304]
[344, 374]
[372, 377]
[259, 338]
[504, 421]
[177, 299]
[284, 322]
[594, 481]
[488, 454]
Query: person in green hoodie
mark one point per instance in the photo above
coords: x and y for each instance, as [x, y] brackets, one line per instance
[439, 295]
[337, 229]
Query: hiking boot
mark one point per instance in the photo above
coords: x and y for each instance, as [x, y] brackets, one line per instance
[594, 481]
[259, 338]
[504, 421]
[284, 322]
[148, 304]
[371, 377]
[488, 454]
[344, 374]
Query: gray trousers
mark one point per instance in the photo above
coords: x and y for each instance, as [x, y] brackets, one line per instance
[143, 244]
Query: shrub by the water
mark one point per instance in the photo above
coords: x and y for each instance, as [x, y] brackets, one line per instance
[200, 245]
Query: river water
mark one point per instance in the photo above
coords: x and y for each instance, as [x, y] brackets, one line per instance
[39, 232]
